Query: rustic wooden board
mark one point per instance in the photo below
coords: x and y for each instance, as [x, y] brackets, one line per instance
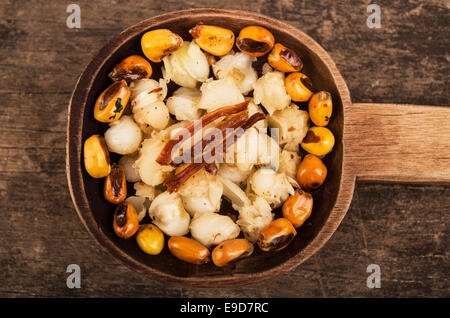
[408, 143]
[401, 227]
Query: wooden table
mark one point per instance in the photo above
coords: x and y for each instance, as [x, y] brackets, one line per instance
[401, 227]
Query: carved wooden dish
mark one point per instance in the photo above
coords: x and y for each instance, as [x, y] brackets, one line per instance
[373, 142]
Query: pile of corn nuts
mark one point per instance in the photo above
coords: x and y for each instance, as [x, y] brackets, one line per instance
[139, 133]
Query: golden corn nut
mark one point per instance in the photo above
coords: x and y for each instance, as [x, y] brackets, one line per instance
[213, 39]
[320, 108]
[150, 239]
[230, 251]
[132, 68]
[298, 207]
[318, 141]
[311, 172]
[284, 59]
[277, 235]
[298, 86]
[96, 157]
[126, 222]
[115, 187]
[159, 43]
[188, 250]
[111, 102]
[255, 41]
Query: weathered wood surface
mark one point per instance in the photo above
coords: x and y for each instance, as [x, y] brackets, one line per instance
[402, 227]
[418, 147]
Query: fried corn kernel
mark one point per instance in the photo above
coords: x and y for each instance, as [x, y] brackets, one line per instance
[213, 39]
[115, 187]
[126, 221]
[298, 86]
[320, 108]
[318, 141]
[159, 43]
[277, 235]
[150, 239]
[297, 209]
[188, 250]
[255, 41]
[132, 68]
[311, 172]
[230, 251]
[284, 59]
[96, 157]
[111, 102]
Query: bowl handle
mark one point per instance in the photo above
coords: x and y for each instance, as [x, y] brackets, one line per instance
[403, 143]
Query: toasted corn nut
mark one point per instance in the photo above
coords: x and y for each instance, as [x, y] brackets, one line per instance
[297, 209]
[126, 221]
[115, 187]
[111, 102]
[298, 86]
[158, 43]
[188, 250]
[320, 108]
[215, 40]
[318, 141]
[311, 172]
[277, 235]
[96, 157]
[284, 59]
[230, 251]
[150, 239]
[255, 41]
[132, 68]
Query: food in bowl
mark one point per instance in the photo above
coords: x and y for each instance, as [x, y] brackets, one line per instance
[230, 130]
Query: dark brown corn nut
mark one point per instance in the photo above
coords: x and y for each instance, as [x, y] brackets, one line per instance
[230, 251]
[255, 41]
[112, 102]
[277, 235]
[132, 68]
[284, 59]
[115, 187]
[126, 222]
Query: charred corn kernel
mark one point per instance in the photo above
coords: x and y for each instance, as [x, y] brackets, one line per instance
[126, 221]
[284, 59]
[318, 141]
[160, 42]
[320, 108]
[213, 39]
[230, 251]
[115, 187]
[150, 239]
[297, 209]
[111, 102]
[277, 235]
[96, 157]
[255, 41]
[188, 250]
[311, 172]
[132, 68]
[298, 86]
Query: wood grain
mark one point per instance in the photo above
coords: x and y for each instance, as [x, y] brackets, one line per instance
[398, 143]
[402, 227]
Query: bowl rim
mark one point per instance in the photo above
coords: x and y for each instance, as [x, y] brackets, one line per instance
[74, 145]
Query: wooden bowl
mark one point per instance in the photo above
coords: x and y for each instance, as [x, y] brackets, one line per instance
[330, 203]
